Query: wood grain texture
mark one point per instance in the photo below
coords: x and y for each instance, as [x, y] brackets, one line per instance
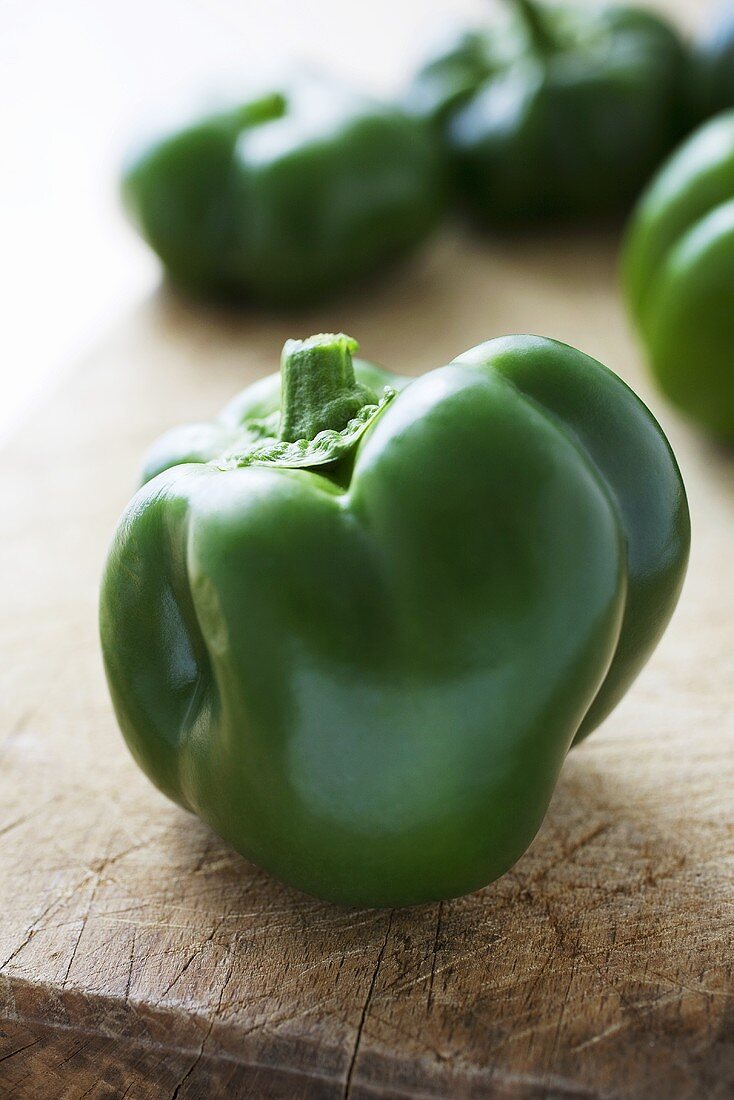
[141, 957]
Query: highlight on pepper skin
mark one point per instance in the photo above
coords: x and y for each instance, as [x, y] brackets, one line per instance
[499, 619]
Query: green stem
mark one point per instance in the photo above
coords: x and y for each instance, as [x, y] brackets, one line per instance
[318, 388]
[536, 24]
[265, 109]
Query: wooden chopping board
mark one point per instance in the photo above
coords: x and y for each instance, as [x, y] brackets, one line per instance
[140, 956]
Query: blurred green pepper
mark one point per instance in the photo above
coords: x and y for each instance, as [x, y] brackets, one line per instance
[563, 112]
[678, 273]
[288, 197]
[357, 622]
[712, 79]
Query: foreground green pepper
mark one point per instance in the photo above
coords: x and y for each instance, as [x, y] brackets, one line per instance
[356, 623]
[288, 197]
[565, 112]
[679, 276]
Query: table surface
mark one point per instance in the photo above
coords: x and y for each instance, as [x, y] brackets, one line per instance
[140, 956]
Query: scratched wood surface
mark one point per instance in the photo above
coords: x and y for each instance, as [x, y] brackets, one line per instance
[140, 956]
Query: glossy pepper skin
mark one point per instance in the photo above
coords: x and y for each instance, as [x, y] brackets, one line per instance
[365, 673]
[563, 113]
[288, 197]
[678, 274]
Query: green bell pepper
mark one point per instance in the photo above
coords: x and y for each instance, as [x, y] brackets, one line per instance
[356, 623]
[713, 68]
[565, 112]
[678, 274]
[288, 197]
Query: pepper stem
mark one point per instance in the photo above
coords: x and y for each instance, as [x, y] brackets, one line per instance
[266, 108]
[535, 23]
[318, 388]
